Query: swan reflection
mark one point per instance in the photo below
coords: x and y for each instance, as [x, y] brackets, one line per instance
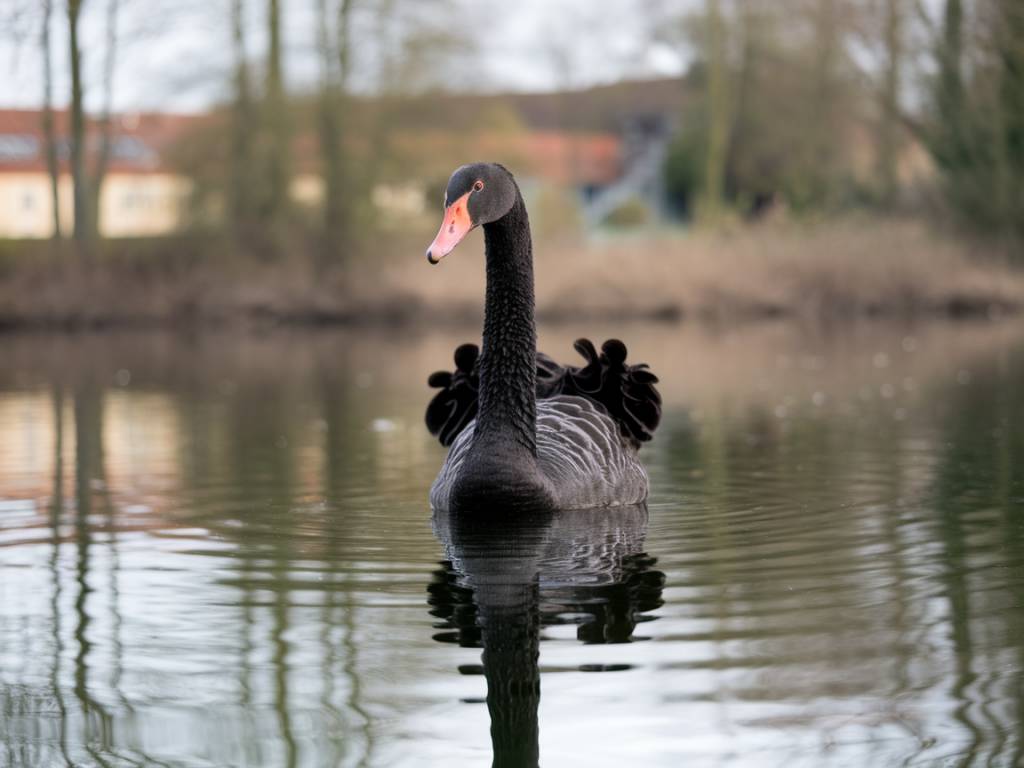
[503, 580]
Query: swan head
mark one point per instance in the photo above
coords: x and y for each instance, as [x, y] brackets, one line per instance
[476, 194]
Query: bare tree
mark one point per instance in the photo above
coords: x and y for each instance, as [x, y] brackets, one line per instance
[717, 111]
[889, 125]
[1010, 53]
[105, 131]
[334, 66]
[822, 138]
[951, 90]
[82, 234]
[49, 130]
[277, 134]
[240, 184]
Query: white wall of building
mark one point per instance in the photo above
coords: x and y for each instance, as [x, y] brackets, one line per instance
[131, 205]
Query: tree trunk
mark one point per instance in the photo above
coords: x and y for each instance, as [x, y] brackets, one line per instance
[822, 140]
[331, 95]
[384, 117]
[106, 137]
[950, 144]
[718, 112]
[1011, 93]
[83, 240]
[240, 193]
[276, 121]
[346, 187]
[888, 135]
[751, 26]
[49, 130]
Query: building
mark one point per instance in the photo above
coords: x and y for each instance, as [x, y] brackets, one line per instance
[141, 195]
[580, 142]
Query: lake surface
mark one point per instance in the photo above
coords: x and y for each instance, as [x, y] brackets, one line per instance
[217, 551]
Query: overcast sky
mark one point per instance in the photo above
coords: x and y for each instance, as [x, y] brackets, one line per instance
[175, 54]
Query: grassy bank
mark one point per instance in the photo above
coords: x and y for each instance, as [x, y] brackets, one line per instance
[851, 268]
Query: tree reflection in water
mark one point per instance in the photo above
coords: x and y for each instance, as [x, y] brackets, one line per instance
[202, 565]
[505, 579]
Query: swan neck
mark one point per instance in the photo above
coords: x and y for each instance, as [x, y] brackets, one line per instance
[508, 362]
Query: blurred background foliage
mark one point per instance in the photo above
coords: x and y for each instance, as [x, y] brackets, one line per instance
[325, 129]
[888, 104]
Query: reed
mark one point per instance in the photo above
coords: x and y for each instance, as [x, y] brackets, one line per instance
[840, 268]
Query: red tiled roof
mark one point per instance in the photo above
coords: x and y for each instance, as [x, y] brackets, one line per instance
[139, 140]
[558, 157]
[141, 144]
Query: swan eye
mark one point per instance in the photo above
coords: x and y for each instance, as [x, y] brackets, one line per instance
[478, 185]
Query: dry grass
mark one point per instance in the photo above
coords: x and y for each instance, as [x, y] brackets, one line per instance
[193, 292]
[846, 268]
[838, 269]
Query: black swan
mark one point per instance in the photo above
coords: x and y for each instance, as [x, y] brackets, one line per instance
[524, 431]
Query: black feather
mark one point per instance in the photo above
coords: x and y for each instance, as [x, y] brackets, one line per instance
[455, 405]
[627, 392]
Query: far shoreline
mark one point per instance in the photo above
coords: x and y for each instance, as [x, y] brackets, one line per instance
[405, 317]
[825, 272]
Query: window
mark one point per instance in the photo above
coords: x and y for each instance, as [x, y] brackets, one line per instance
[18, 147]
[137, 198]
[131, 149]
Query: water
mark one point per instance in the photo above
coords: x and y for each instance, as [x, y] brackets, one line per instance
[217, 551]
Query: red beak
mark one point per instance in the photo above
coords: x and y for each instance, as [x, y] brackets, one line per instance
[454, 227]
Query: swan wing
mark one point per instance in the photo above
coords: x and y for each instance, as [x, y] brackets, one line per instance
[625, 391]
[583, 454]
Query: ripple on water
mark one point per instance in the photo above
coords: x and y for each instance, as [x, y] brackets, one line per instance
[831, 571]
